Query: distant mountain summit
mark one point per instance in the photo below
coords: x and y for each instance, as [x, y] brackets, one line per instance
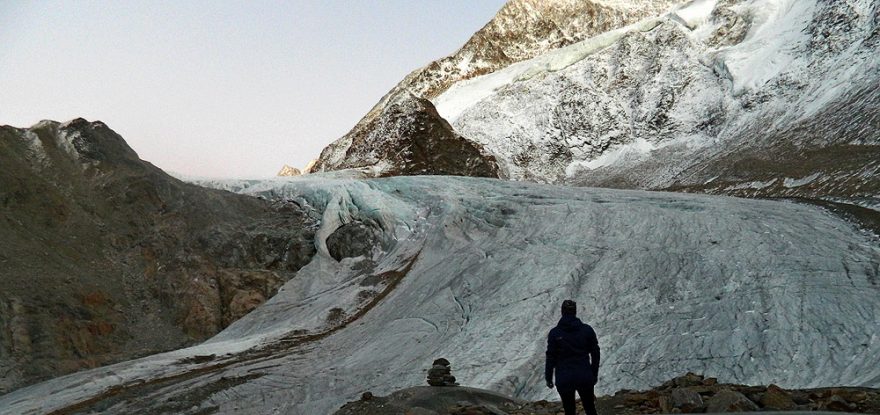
[288, 171]
[522, 29]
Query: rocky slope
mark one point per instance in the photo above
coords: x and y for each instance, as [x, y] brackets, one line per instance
[104, 257]
[750, 98]
[473, 270]
[522, 29]
[684, 394]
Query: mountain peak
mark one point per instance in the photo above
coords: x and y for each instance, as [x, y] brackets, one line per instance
[288, 171]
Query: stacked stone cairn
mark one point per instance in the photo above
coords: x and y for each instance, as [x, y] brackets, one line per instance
[440, 374]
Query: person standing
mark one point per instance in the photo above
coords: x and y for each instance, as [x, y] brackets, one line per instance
[573, 354]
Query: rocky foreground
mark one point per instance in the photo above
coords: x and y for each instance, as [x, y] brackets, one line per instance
[690, 393]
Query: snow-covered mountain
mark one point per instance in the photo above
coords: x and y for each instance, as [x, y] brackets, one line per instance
[522, 29]
[715, 96]
[742, 97]
[474, 270]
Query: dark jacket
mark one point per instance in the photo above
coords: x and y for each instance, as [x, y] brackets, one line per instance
[573, 352]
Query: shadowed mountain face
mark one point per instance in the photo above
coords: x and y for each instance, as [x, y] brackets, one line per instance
[408, 138]
[104, 257]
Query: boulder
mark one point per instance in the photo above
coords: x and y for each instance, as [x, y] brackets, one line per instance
[838, 404]
[687, 400]
[777, 398]
[730, 401]
[689, 379]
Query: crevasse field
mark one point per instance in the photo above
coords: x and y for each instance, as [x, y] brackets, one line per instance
[474, 270]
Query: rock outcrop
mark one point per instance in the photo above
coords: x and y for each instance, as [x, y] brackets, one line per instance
[104, 257]
[408, 137]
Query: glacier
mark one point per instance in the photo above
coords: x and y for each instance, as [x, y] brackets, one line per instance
[473, 270]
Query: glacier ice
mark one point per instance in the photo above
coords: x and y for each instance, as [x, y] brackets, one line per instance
[749, 291]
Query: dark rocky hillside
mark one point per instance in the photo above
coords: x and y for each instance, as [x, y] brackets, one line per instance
[408, 138]
[104, 257]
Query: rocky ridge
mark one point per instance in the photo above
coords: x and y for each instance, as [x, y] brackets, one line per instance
[105, 257]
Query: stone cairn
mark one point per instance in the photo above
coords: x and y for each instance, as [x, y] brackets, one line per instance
[440, 374]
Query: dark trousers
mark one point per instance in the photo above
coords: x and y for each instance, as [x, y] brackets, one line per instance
[587, 399]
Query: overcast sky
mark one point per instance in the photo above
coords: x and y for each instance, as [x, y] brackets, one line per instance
[222, 89]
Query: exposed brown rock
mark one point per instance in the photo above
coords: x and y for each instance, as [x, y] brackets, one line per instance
[727, 400]
[687, 400]
[837, 403]
[777, 398]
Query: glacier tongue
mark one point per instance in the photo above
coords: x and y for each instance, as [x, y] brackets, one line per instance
[750, 291]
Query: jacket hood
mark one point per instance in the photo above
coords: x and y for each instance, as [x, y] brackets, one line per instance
[569, 323]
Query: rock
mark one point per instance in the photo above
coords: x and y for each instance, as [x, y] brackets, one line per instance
[440, 374]
[689, 379]
[687, 400]
[837, 404]
[710, 381]
[665, 404]
[352, 240]
[777, 398]
[288, 171]
[730, 401]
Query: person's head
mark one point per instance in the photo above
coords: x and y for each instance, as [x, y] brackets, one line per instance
[569, 308]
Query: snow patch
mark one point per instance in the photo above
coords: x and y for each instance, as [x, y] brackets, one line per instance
[696, 12]
[755, 185]
[790, 183]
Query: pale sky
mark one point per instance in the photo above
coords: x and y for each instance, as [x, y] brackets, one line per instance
[220, 89]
